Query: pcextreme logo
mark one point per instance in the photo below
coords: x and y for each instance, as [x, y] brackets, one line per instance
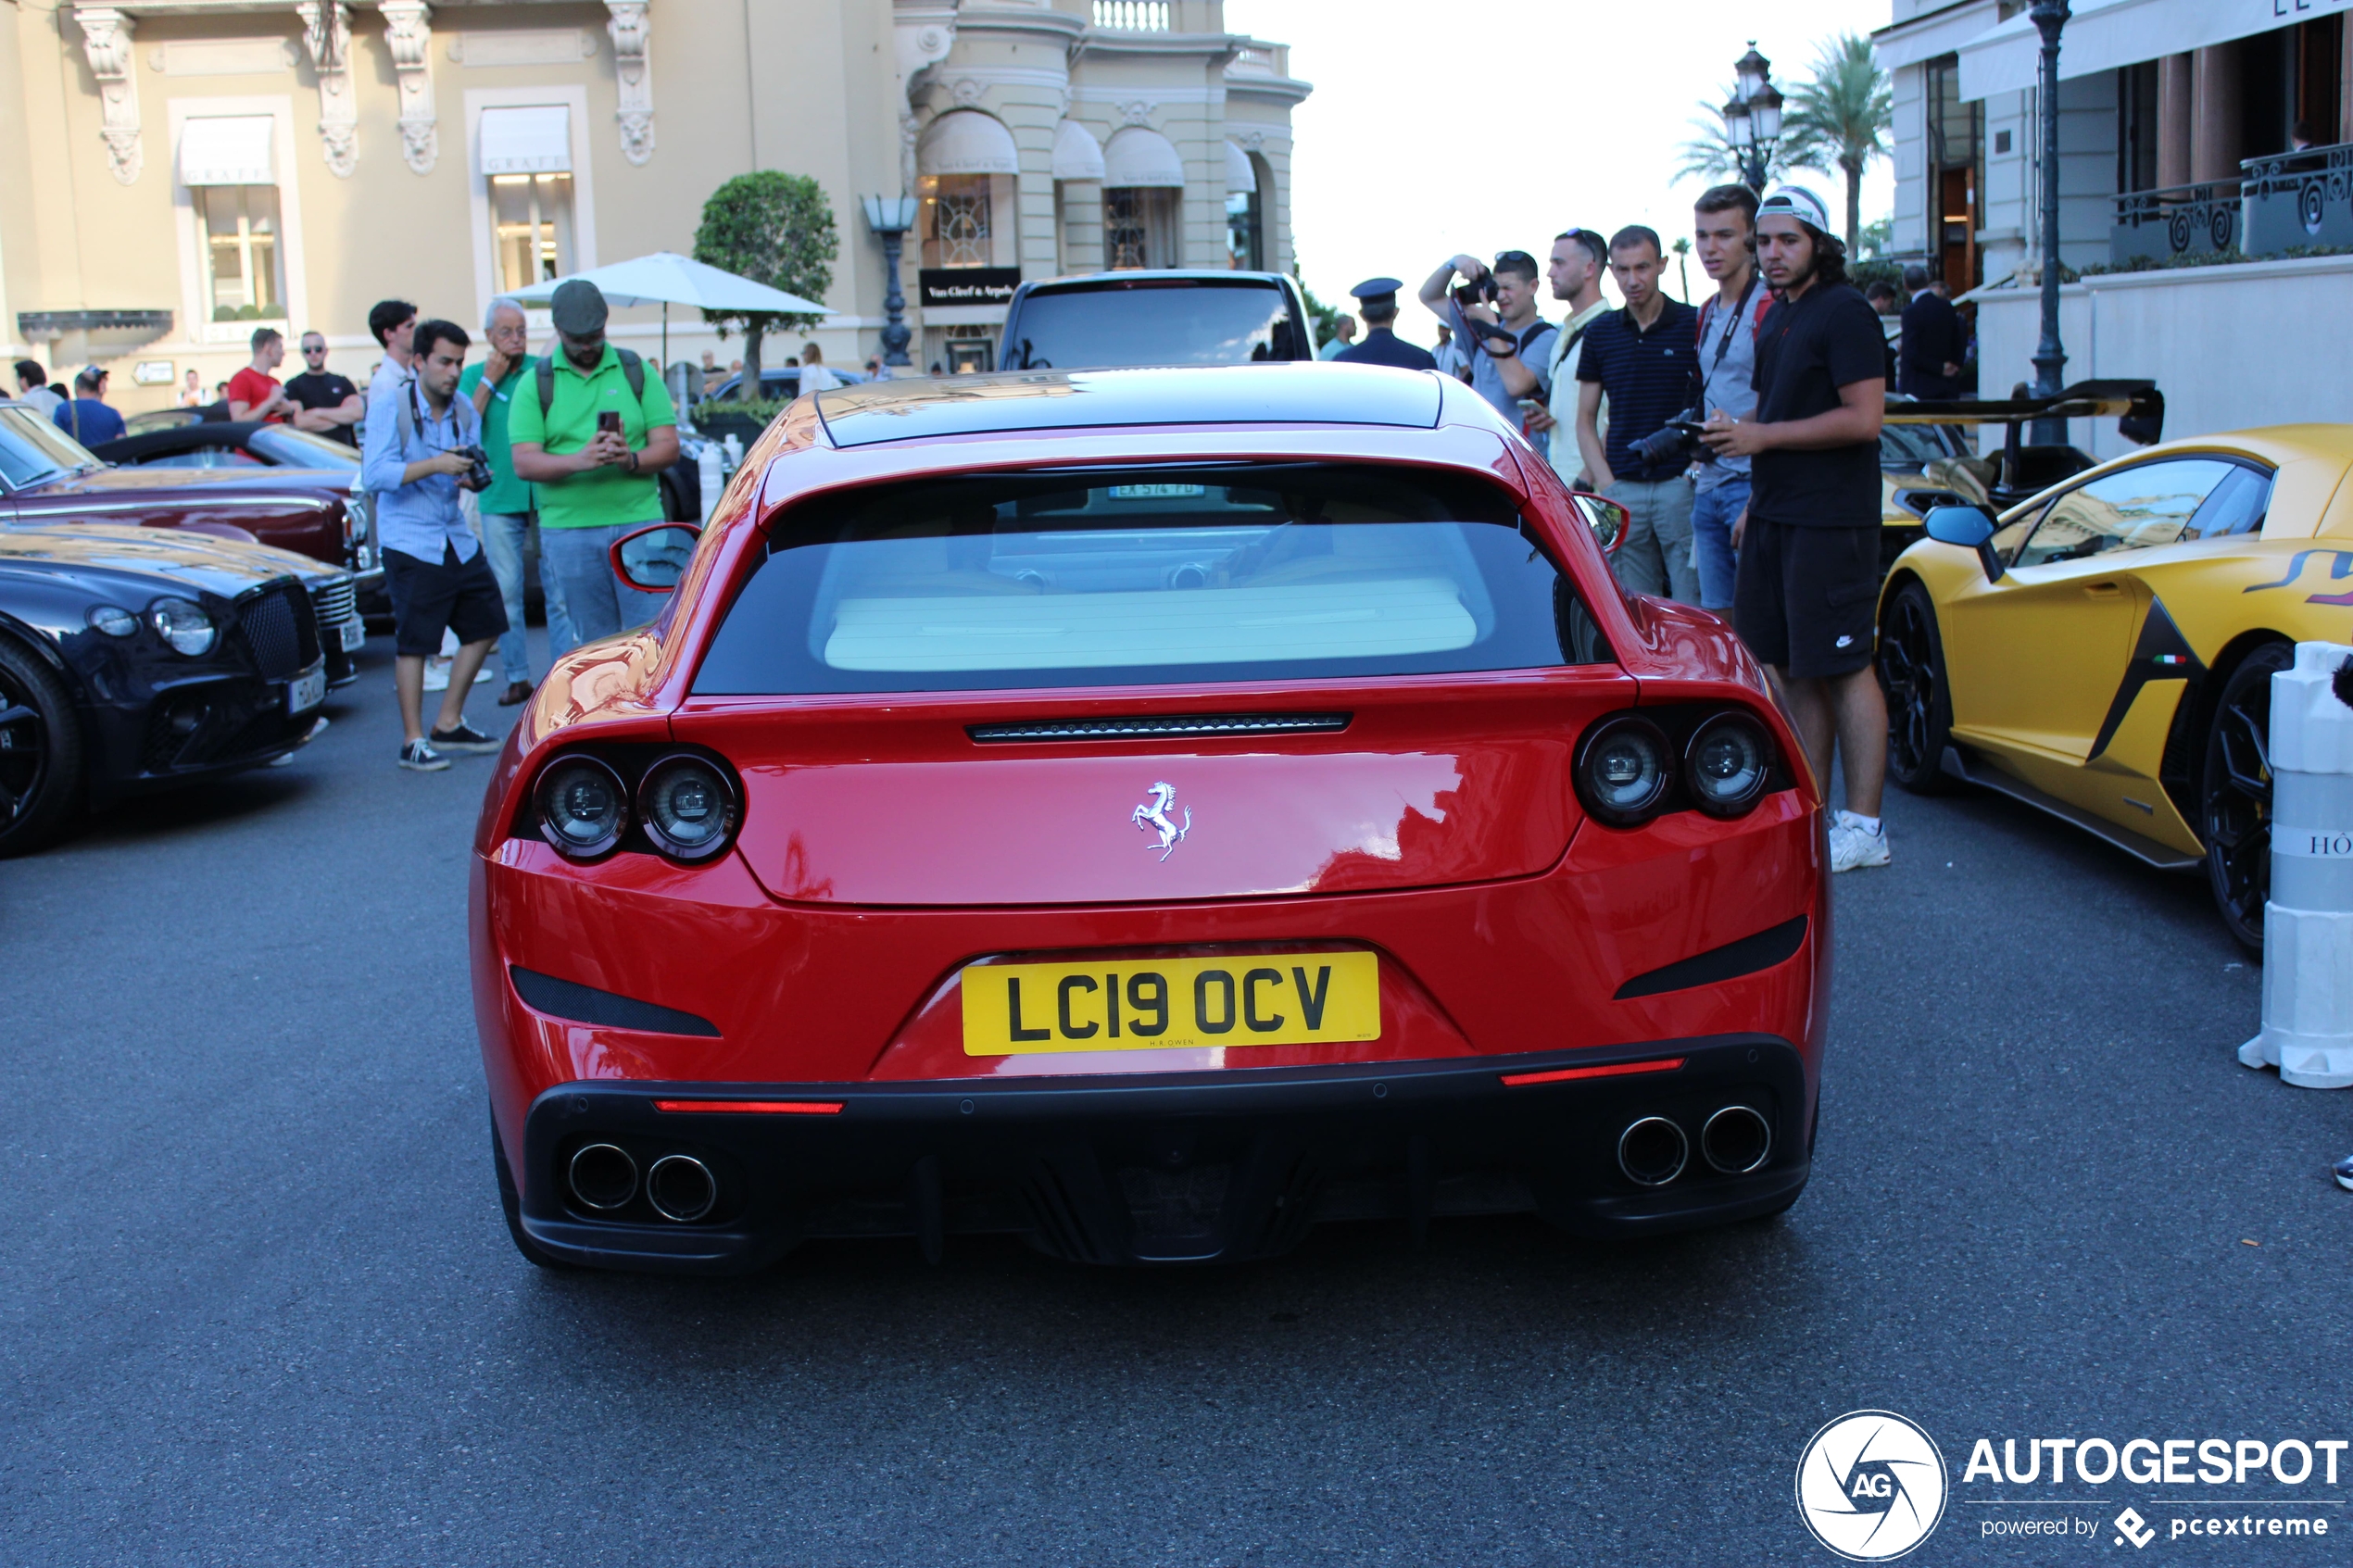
[1871, 1485]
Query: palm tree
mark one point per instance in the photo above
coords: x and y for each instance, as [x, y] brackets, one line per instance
[1840, 120]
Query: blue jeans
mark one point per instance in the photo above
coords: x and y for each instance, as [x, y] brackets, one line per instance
[598, 603]
[502, 540]
[1712, 514]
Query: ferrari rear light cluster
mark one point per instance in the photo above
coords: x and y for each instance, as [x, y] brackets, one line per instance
[685, 805]
[1633, 767]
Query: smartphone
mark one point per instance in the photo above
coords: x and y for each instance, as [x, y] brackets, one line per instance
[1688, 427]
[609, 423]
[1528, 405]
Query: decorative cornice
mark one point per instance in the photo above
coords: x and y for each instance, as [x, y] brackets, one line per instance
[326, 34]
[105, 43]
[409, 34]
[632, 32]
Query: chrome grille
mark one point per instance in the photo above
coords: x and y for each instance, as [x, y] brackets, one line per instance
[335, 601]
[280, 629]
[1194, 724]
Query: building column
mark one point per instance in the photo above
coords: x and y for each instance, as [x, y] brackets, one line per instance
[2344, 83]
[2214, 137]
[2174, 98]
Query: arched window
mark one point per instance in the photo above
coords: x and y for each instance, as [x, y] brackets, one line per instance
[965, 165]
[1144, 190]
[1246, 192]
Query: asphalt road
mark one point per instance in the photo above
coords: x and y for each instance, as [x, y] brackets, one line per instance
[260, 1309]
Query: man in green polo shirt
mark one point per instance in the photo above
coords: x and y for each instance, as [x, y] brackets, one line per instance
[592, 482]
[506, 506]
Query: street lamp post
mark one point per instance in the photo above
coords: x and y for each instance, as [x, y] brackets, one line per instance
[1752, 119]
[890, 218]
[2050, 357]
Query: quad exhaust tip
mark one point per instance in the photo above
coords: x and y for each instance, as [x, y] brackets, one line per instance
[681, 1188]
[603, 1176]
[1653, 1151]
[1736, 1139]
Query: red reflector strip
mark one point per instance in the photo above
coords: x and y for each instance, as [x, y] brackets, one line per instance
[756, 1107]
[1616, 1069]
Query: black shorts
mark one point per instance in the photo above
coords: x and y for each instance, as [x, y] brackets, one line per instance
[1806, 600]
[428, 596]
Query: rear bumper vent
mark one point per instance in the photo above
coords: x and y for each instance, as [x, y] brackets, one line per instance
[1212, 725]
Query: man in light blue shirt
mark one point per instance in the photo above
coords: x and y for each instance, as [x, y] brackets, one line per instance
[423, 442]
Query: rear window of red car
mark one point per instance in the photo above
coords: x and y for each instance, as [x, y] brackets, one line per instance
[1145, 577]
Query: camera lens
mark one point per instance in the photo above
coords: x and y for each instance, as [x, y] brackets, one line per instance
[688, 807]
[1624, 771]
[582, 807]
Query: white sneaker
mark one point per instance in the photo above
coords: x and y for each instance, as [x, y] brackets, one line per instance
[437, 673]
[1853, 847]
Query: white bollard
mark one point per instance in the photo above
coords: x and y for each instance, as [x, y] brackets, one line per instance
[2308, 922]
[714, 483]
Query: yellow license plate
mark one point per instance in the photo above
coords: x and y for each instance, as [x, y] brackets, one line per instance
[1159, 1004]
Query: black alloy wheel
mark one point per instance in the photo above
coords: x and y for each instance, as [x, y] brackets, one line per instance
[2235, 798]
[1919, 704]
[39, 751]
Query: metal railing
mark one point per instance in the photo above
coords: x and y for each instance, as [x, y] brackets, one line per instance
[2174, 221]
[1132, 15]
[2298, 198]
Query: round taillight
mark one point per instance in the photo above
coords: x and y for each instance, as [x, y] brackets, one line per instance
[1727, 764]
[584, 808]
[688, 808]
[1625, 770]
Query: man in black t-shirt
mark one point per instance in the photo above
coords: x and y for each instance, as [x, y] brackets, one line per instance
[331, 405]
[1805, 596]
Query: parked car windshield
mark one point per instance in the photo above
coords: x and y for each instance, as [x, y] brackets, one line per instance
[1254, 573]
[1912, 446]
[1163, 322]
[289, 448]
[33, 449]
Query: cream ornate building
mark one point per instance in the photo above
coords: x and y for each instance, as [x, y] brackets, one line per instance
[186, 170]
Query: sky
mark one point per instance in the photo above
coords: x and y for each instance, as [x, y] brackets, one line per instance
[1405, 154]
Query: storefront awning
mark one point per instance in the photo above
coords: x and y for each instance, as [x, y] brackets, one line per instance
[967, 142]
[1078, 155]
[534, 139]
[1138, 155]
[1240, 175]
[2104, 34]
[230, 150]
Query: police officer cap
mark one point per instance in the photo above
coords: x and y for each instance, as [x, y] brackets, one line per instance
[1376, 291]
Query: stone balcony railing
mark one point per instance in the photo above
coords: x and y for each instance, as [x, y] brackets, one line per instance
[1132, 15]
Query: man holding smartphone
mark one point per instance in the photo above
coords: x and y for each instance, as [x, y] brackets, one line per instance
[588, 429]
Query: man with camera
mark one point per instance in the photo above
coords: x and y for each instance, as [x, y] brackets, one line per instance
[588, 429]
[1724, 227]
[1645, 359]
[1494, 312]
[423, 445]
[1806, 594]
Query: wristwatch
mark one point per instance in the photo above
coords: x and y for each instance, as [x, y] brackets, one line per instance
[633, 463]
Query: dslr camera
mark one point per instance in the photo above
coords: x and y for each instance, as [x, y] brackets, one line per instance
[477, 476]
[1676, 442]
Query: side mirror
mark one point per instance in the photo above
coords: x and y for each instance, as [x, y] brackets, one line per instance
[1607, 519]
[653, 559]
[1968, 528]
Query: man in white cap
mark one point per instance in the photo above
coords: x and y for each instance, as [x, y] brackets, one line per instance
[1806, 596]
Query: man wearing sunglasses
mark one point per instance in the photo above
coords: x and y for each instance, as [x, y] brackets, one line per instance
[331, 405]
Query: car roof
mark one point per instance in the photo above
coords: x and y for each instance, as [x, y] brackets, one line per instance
[1281, 393]
[1128, 278]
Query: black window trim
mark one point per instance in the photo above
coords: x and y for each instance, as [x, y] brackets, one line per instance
[2080, 481]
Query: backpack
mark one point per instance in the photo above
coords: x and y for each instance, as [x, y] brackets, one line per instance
[633, 370]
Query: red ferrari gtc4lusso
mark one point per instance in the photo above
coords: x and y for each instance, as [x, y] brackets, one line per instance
[1146, 812]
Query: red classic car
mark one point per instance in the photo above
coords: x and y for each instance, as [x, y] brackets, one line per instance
[1148, 812]
[48, 478]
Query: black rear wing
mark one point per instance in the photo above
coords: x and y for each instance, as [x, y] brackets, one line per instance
[2136, 405]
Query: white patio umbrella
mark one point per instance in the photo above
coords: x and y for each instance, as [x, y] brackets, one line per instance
[666, 278]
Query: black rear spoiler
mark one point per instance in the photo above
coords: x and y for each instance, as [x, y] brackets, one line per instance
[2137, 406]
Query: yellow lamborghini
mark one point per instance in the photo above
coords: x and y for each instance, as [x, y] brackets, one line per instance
[2104, 650]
